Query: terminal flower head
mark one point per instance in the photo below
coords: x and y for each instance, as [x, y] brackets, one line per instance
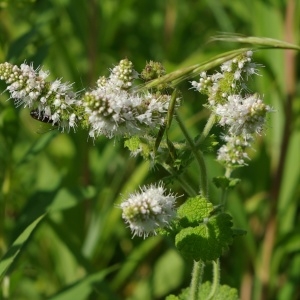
[113, 109]
[54, 101]
[148, 210]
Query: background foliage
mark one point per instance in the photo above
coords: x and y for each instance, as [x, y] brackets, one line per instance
[80, 248]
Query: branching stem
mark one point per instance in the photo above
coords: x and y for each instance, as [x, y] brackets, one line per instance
[184, 184]
[199, 158]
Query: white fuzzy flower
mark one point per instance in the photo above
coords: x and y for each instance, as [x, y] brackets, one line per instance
[113, 110]
[242, 116]
[24, 84]
[121, 76]
[148, 210]
[51, 102]
[229, 81]
[233, 152]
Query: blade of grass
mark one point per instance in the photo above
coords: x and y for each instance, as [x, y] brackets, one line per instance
[260, 42]
[16, 248]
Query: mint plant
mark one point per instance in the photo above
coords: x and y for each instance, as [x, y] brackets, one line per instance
[142, 114]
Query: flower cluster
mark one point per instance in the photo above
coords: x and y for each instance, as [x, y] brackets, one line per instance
[227, 82]
[54, 101]
[241, 115]
[113, 109]
[234, 151]
[148, 210]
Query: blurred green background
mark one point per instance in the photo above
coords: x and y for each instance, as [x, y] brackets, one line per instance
[82, 249]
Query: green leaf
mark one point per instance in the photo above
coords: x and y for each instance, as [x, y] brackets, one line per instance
[38, 146]
[133, 261]
[9, 123]
[172, 297]
[208, 240]
[194, 210]
[238, 232]
[168, 273]
[172, 151]
[224, 292]
[184, 295]
[16, 248]
[43, 202]
[159, 137]
[208, 144]
[21, 43]
[133, 143]
[171, 109]
[81, 289]
[139, 145]
[225, 182]
[66, 198]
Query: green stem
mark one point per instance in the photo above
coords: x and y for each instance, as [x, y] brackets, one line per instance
[228, 172]
[216, 280]
[224, 192]
[199, 157]
[184, 184]
[196, 279]
[223, 198]
[209, 124]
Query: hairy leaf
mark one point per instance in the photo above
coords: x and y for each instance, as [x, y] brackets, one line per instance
[194, 210]
[225, 182]
[208, 240]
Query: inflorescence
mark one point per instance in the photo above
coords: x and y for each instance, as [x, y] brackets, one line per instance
[149, 210]
[113, 108]
[52, 100]
[240, 114]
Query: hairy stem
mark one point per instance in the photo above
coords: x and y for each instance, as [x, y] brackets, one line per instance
[210, 123]
[184, 184]
[216, 280]
[196, 279]
[199, 158]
